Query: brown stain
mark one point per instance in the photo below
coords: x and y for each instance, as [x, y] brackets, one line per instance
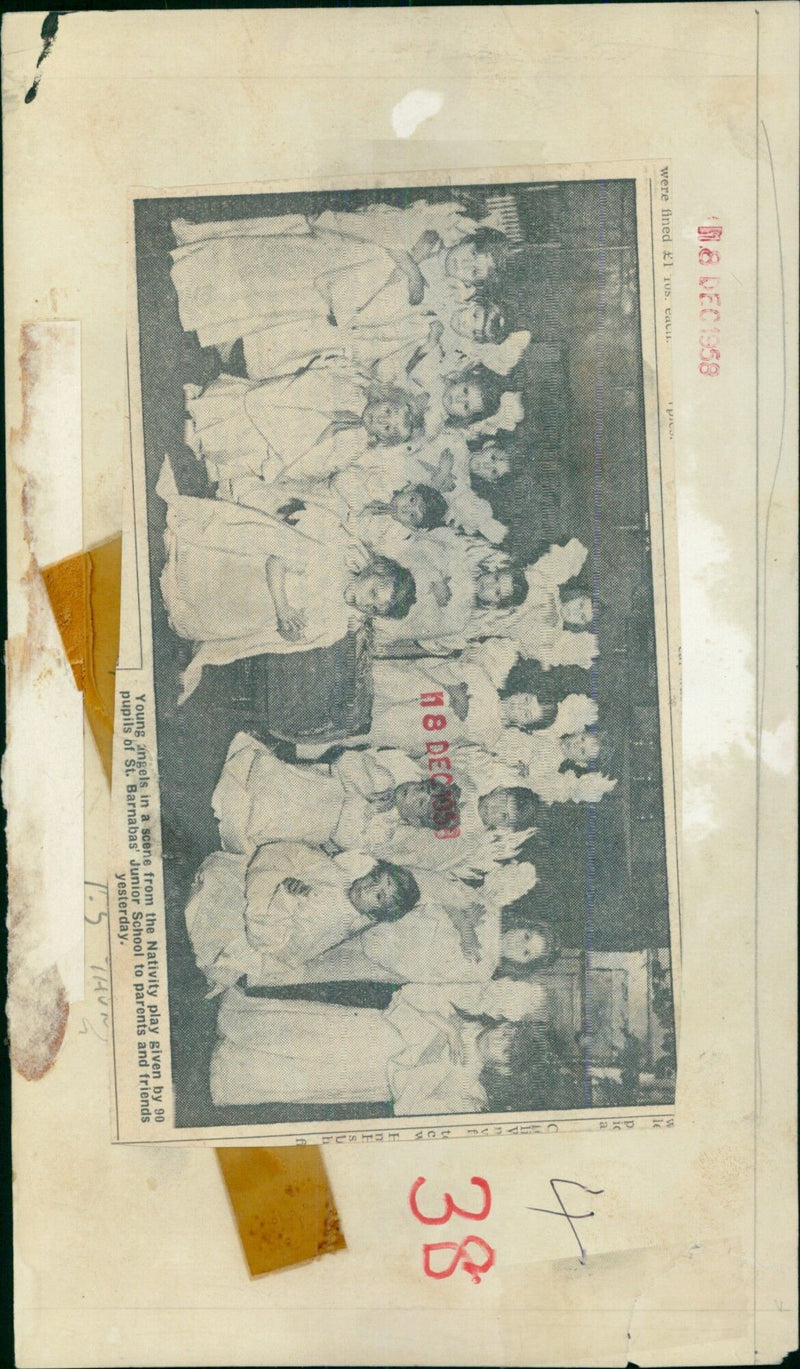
[283, 1205]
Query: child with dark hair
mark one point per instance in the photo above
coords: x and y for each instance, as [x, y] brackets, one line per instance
[471, 395]
[239, 582]
[479, 332]
[268, 917]
[368, 589]
[481, 321]
[393, 523]
[457, 935]
[462, 584]
[480, 258]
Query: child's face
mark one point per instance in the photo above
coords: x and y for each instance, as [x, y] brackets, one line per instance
[489, 463]
[522, 709]
[372, 893]
[580, 747]
[494, 1043]
[462, 399]
[578, 611]
[370, 593]
[387, 421]
[522, 945]
[414, 803]
[470, 321]
[494, 588]
[498, 809]
[468, 263]
[408, 507]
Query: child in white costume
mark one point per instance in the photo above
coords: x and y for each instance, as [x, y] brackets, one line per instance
[442, 463]
[443, 466]
[421, 1055]
[540, 754]
[377, 802]
[291, 272]
[260, 798]
[547, 626]
[471, 685]
[454, 936]
[474, 332]
[267, 917]
[306, 425]
[239, 583]
[463, 584]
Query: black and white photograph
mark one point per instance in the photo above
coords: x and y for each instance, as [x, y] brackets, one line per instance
[408, 792]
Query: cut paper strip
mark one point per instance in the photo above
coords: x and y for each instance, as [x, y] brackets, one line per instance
[84, 593]
[281, 1198]
[283, 1205]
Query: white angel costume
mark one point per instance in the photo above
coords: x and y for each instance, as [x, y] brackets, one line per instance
[475, 850]
[243, 920]
[214, 582]
[260, 798]
[288, 274]
[538, 756]
[295, 501]
[537, 626]
[385, 346]
[380, 471]
[302, 426]
[431, 376]
[426, 946]
[483, 667]
[445, 563]
[289, 1051]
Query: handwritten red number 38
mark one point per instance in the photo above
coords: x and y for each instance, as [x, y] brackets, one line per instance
[458, 1250]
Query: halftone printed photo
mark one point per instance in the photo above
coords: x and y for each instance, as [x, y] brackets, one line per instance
[396, 770]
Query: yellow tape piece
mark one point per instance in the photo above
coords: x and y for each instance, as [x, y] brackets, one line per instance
[283, 1205]
[84, 594]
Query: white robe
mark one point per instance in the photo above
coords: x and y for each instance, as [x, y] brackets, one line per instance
[397, 713]
[288, 272]
[260, 798]
[289, 1051]
[214, 581]
[285, 427]
[243, 921]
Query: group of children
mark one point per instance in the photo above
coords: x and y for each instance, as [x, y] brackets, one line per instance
[376, 392]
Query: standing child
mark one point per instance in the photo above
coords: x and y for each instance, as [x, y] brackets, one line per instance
[238, 582]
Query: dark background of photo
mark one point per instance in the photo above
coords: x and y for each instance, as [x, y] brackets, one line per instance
[574, 286]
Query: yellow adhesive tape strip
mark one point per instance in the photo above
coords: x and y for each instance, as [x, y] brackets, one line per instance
[283, 1205]
[84, 593]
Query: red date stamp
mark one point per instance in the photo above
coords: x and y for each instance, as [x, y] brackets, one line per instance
[445, 807]
[710, 299]
[462, 1253]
